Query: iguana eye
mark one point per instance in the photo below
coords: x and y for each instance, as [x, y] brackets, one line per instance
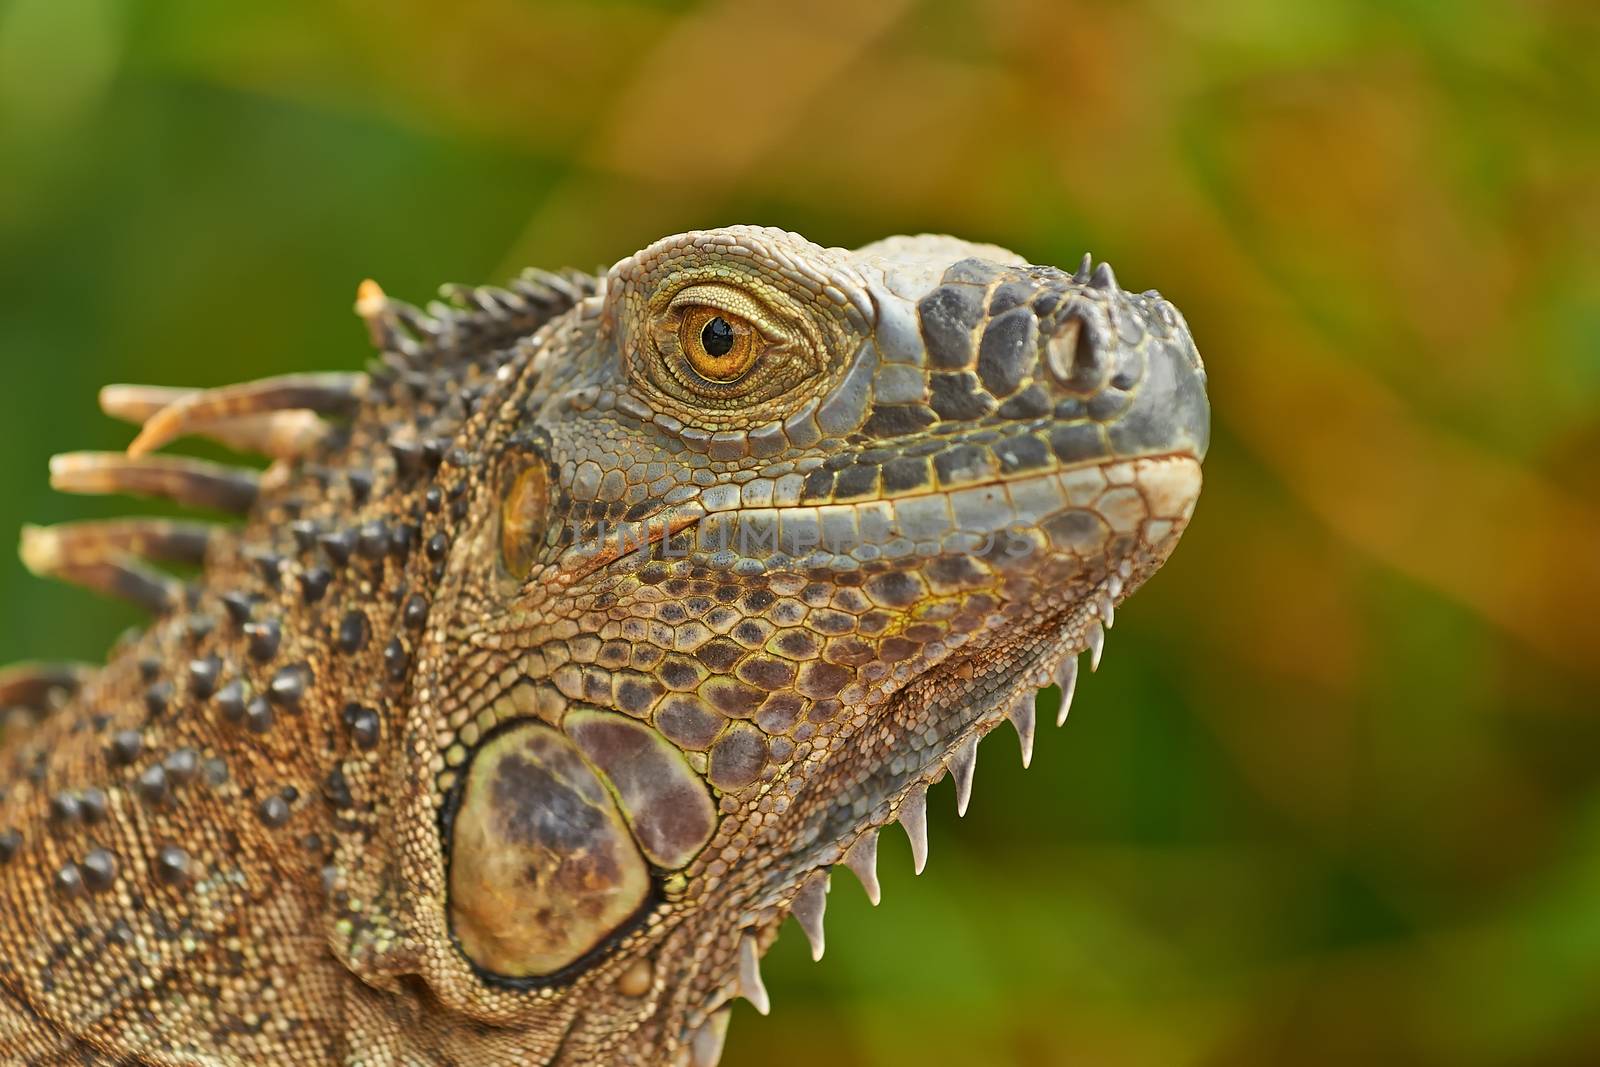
[719, 347]
[723, 340]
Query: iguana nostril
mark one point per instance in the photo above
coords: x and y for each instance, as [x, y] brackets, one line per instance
[1072, 357]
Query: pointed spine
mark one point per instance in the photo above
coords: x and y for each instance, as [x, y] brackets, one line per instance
[110, 573]
[808, 906]
[862, 859]
[1095, 640]
[705, 1048]
[569, 287]
[41, 685]
[1067, 679]
[191, 482]
[329, 393]
[91, 541]
[144, 587]
[1024, 718]
[279, 435]
[282, 435]
[418, 321]
[751, 987]
[962, 761]
[913, 815]
[139, 403]
[383, 324]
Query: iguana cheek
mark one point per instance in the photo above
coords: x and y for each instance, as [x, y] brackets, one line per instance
[542, 865]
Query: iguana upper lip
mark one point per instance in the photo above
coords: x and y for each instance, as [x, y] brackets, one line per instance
[1001, 479]
[651, 531]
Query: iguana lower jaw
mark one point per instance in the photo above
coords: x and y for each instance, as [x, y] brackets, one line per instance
[564, 654]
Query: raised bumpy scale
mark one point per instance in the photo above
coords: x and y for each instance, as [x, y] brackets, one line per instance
[564, 652]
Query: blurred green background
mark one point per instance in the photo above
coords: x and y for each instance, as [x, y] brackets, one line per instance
[1334, 797]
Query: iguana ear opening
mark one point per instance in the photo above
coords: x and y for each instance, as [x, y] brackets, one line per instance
[524, 514]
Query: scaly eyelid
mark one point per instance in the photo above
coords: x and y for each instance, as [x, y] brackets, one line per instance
[729, 301]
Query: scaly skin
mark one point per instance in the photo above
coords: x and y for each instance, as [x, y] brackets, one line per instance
[528, 700]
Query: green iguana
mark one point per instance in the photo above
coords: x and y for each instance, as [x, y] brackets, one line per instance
[563, 653]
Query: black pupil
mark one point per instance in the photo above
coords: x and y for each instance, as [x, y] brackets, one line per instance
[717, 337]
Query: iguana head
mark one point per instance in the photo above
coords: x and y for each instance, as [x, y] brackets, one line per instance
[739, 555]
